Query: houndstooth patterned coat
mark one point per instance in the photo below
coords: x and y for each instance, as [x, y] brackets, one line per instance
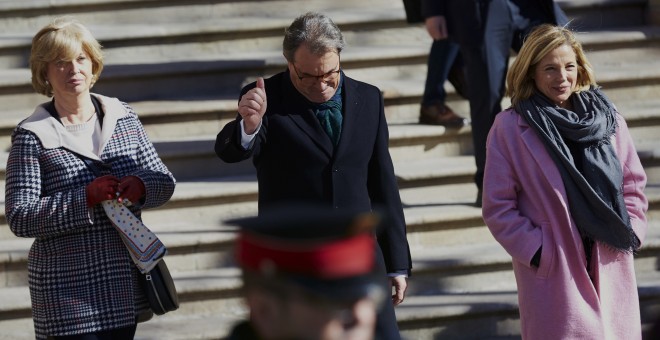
[80, 274]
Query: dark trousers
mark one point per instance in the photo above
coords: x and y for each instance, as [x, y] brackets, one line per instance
[442, 57]
[387, 327]
[485, 31]
[386, 324]
[126, 333]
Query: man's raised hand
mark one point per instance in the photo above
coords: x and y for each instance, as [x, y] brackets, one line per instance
[252, 106]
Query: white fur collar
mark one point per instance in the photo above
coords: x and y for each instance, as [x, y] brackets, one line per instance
[53, 134]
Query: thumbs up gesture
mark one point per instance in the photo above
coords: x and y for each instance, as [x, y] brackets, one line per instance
[252, 106]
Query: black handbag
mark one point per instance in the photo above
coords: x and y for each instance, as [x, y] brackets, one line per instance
[160, 290]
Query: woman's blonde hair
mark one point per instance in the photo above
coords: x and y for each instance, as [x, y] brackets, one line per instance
[60, 40]
[541, 41]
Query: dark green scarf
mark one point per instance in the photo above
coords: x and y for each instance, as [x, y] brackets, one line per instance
[595, 191]
[330, 116]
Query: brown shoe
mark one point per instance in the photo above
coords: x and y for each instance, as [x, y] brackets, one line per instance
[441, 115]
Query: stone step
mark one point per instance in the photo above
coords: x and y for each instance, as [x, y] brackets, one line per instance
[450, 245]
[203, 23]
[486, 315]
[208, 200]
[440, 215]
[194, 157]
[224, 73]
[172, 123]
[448, 313]
[614, 67]
[630, 84]
[191, 224]
[456, 314]
[201, 29]
[484, 265]
[179, 12]
[411, 173]
[426, 184]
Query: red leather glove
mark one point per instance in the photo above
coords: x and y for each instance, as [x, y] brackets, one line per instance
[101, 189]
[132, 189]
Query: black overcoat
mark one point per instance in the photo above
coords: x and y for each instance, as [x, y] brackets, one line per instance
[296, 161]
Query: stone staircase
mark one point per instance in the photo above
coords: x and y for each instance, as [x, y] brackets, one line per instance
[181, 64]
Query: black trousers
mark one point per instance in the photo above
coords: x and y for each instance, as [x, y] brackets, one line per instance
[386, 324]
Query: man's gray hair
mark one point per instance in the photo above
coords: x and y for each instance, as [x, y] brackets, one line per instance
[315, 30]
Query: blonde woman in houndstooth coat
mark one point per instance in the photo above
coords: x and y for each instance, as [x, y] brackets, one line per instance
[71, 154]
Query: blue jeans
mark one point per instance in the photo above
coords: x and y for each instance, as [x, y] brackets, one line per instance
[441, 58]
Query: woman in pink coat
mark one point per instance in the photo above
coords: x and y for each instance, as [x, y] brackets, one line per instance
[563, 194]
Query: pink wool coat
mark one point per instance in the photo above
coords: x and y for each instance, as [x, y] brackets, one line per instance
[525, 206]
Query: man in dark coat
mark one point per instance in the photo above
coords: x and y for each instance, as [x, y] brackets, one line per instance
[317, 135]
[486, 30]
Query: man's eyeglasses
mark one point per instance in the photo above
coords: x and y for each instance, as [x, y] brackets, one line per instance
[310, 80]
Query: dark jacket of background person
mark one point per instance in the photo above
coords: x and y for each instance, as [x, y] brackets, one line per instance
[539, 11]
[81, 276]
[486, 31]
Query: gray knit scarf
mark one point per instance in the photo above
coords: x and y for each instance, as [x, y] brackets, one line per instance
[595, 192]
